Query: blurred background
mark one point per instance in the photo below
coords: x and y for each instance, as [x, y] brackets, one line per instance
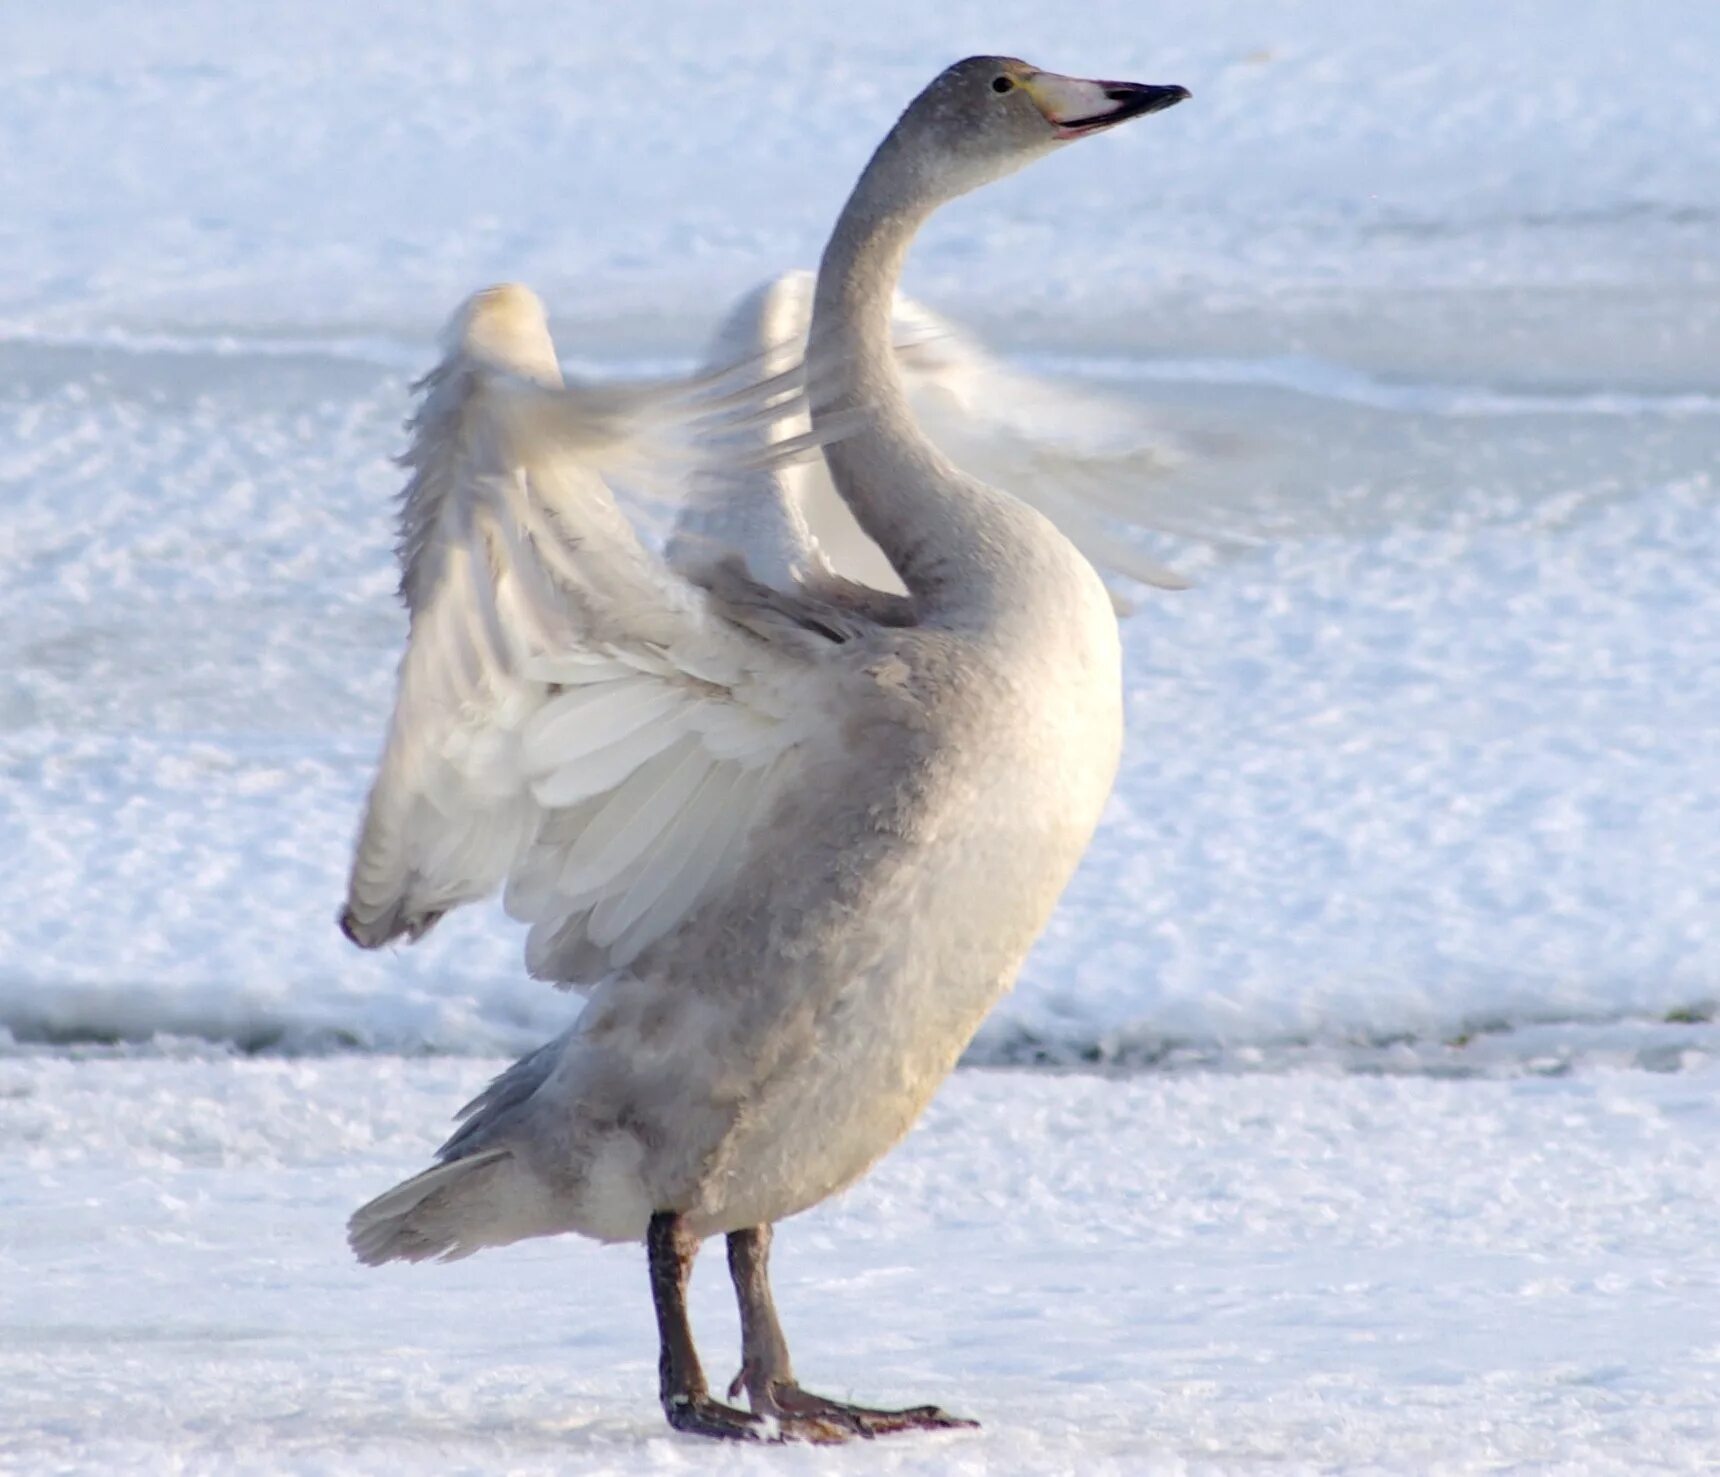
[1419, 305]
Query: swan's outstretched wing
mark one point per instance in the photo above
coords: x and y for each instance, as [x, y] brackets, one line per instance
[572, 718]
[756, 512]
[1084, 461]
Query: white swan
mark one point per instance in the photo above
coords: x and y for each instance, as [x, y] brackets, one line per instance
[797, 839]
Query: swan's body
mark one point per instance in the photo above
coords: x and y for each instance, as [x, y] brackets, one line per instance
[796, 834]
[768, 1052]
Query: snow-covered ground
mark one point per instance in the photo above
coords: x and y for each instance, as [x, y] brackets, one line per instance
[1436, 758]
[358, 168]
[1410, 885]
[1197, 1274]
[1429, 298]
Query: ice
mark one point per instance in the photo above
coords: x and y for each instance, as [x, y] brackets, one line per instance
[1423, 310]
[1204, 1274]
[359, 169]
[1416, 762]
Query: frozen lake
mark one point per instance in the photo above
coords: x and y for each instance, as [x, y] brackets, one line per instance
[1204, 1274]
[1429, 306]
[1408, 893]
[1424, 759]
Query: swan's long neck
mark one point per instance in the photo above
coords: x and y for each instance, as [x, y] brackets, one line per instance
[929, 520]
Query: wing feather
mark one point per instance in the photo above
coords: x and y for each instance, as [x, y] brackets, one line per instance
[601, 771]
[676, 851]
[703, 867]
[1085, 461]
[593, 716]
[632, 816]
[573, 720]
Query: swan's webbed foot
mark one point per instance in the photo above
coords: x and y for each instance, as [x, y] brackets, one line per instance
[686, 1398]
[767, 1376]
[781, 1410]
[699, 1415]
[790, 1402]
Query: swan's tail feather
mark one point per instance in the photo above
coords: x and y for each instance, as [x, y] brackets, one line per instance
[448, 1212]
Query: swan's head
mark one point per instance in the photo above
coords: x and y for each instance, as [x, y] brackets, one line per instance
[989, 115]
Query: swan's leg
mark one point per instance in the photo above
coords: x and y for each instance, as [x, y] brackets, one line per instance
[681, 1381]
[765, 1365]
[768, 1377]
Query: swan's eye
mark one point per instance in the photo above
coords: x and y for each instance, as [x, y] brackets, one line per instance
[1001, 84]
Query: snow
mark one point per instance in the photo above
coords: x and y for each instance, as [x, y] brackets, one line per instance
[1402, 919]
[360, 168]
[1425, 760]
[1212, 1273]
[1431, 300]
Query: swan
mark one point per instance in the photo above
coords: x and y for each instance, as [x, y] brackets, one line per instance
[796, 837]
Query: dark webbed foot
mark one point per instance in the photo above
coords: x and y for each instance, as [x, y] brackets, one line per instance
[767, 1376]
[687, 1402]
[703, 1416]
[790, 1402]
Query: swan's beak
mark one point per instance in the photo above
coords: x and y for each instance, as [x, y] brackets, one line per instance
[1076, 107]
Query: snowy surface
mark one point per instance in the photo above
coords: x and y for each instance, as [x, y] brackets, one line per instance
[1430, 297]
[1435, 758]
[1288, 1273]
[332, 166]
[1431, 760]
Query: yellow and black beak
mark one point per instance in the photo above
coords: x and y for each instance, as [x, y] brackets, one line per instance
[1076, 107]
